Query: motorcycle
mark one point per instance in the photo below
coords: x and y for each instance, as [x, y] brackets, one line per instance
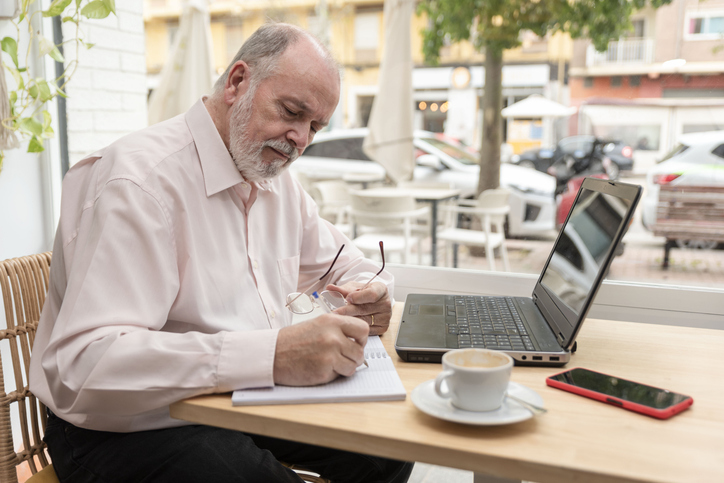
[581, 163]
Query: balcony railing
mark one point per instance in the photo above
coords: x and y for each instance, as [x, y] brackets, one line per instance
[629, 51]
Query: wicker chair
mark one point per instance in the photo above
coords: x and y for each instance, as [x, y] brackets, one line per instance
[24, 283]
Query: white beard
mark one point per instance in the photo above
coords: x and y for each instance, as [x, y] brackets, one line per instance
[247, 154]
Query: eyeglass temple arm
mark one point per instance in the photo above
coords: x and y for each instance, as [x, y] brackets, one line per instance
[382, 252]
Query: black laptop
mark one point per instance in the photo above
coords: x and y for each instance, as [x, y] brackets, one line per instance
[536, 330]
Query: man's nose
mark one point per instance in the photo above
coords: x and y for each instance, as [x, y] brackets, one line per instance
[299, 136]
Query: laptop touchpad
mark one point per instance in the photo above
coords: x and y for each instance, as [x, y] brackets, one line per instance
[424, 327]
[431, 310]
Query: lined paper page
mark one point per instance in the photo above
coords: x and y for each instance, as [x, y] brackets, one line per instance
[379, 382]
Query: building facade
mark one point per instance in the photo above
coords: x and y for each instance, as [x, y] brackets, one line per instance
[446, 96]
[664, 79]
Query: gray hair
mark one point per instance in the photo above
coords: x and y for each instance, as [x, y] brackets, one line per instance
[262, 50]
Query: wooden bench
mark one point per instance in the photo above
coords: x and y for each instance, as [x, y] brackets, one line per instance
[689, 213]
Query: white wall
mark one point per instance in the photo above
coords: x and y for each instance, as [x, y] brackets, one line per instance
[107, 93]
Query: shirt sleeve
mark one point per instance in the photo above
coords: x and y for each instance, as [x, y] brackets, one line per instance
[108, 353]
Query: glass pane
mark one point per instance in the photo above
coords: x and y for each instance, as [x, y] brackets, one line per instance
[716, 25]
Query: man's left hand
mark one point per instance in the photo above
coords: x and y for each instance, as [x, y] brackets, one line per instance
[371, 304]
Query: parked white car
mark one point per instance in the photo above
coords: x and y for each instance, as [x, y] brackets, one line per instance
[532, 202]
[697, 160]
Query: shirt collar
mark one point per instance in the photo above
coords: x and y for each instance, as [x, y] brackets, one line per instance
[219, 170]
[217, 166]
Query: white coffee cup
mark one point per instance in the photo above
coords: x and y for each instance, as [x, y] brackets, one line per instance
[474, 379]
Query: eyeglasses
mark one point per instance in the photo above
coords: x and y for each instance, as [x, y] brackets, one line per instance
[329, 300]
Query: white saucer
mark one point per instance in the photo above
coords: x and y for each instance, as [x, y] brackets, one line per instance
[427, 401]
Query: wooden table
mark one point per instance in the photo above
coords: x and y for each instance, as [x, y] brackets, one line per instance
[578, 440]
[427, 195]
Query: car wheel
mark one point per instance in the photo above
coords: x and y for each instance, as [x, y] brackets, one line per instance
[696, 244]
[613, 170]
[527, 163]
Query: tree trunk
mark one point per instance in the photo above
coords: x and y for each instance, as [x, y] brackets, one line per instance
[492, 127]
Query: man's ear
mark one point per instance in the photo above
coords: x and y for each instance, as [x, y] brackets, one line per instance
[237, 82]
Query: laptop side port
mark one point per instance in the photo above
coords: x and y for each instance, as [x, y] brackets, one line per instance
[554, 358]
[537, 358]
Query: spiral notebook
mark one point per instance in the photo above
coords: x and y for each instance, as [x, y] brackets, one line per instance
[378, 382]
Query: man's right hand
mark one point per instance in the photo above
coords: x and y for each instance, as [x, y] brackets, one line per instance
[319, 350]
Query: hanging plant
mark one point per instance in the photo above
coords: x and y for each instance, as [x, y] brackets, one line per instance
[23, 110]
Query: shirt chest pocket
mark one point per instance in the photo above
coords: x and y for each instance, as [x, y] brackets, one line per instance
[288, 274]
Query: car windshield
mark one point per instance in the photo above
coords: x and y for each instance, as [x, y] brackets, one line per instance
[678, 149]
[454, 152]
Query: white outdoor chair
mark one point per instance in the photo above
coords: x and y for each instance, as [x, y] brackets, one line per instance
[491, 208]
[333, 200]
[388, 218]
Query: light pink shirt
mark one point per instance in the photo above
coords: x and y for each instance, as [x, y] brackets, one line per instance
[169, 277]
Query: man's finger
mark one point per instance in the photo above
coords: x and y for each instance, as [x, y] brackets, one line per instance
[355, 329]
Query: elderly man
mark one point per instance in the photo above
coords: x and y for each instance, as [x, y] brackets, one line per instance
[176, 250]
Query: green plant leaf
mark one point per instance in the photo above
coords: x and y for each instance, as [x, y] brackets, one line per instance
[56, 8]
[47, 118]
[35, 145]
[2, 157]
[96, 9]
[10, 46]
[33, 91]
[69, 19]
[30, 126]
[45, 45]
[13, 97]
[18, 78]
[44, 90]
[59, 92]
[56, 55]
[111, 4]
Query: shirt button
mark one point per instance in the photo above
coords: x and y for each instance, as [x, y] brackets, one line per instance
[245, 186]
[256, 265]
[273, 314]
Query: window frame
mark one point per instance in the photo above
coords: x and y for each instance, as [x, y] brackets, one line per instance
[701, 14]
[616, 300]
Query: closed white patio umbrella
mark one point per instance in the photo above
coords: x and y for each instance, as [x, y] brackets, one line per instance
[389, 141]
[188, 73]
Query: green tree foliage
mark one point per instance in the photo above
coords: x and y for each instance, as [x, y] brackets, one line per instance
[495, 25]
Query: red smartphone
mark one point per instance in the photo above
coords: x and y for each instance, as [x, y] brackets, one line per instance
[630, 395]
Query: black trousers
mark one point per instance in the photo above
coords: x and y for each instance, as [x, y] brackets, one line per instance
[202, 454]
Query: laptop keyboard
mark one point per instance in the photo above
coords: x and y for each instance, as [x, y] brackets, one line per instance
[490, 323]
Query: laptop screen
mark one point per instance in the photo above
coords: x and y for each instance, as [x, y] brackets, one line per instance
[582, 247]
[583, 251]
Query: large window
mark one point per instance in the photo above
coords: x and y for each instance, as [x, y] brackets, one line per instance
[704, 25]
[366, 35]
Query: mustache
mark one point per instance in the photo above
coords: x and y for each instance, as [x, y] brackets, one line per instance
[282, 146]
